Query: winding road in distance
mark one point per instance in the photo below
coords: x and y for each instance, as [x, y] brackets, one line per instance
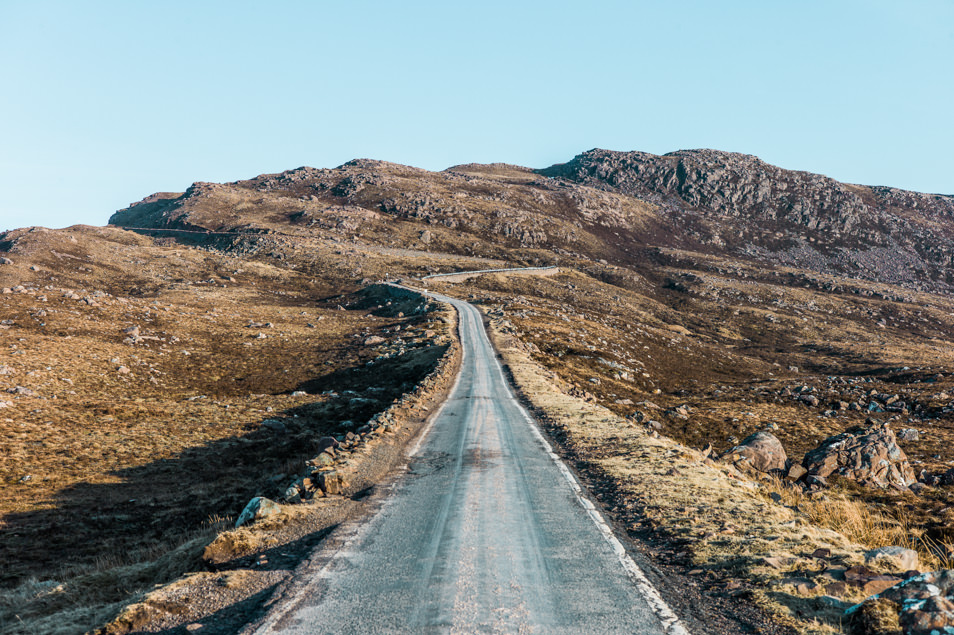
[486, 532]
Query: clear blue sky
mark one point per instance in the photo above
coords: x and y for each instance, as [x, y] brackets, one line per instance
[103, 103]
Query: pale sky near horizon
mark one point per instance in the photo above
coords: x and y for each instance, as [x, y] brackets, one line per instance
[104, 103]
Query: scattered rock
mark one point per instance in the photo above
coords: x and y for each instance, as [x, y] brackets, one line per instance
[257, 509]
[795, 472]
[331, 482]
[908, 434]
[869, 456]
[870, 582]
[325, 443]
[275, 425]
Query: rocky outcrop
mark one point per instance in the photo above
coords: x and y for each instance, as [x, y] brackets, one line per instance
[749, 207]
[867, 455]
[925, 603]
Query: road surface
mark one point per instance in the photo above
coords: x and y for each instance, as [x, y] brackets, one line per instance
[486, 532]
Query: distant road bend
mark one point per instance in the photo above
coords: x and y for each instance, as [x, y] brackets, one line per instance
[486, 532]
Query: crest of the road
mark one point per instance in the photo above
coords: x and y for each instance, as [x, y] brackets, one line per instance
[486, 532]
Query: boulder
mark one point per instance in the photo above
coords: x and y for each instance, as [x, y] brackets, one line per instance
[867, 455]
[870, 582]
[324, 459]
[5, 261]
[257, 509]
[893, 558]
[925, 603]
[908, 434]
[324, 443]
[761, 451]
[374, 340]
[330, 482]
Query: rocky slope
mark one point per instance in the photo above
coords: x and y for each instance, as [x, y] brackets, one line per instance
[604, 205]
[744, 206]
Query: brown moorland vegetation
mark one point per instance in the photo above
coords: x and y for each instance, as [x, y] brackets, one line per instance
[698, 298]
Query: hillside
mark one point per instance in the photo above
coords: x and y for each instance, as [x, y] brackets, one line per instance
[702, 295]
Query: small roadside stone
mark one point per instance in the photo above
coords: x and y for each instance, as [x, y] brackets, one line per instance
[257, 509]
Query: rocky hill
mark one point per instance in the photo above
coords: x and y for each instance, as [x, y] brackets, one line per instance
[744, 206]
[601, 205]
[701, 296]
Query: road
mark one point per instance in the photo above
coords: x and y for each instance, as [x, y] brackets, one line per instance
[486, 532]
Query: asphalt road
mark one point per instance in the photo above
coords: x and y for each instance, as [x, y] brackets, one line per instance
[486, 532]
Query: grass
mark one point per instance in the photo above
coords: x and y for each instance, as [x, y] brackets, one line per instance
[861, 522]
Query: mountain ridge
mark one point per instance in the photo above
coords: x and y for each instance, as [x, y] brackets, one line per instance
[604, 205]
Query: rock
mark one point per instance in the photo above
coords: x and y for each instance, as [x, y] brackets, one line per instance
[275, 425]
[795, 472]
[324, 459]
[5, 261]
[374, 340]
[331, 482]
[761, 451]
[893, 558]
[426, 237]
[132, 331]
[908, 434]
[810, 400]
[869, 456]
[325, 443]
[802, 586]
[924, 603]
[870, 582]
[947, 478]
[837, 589]
[257, 509]
[874, 616]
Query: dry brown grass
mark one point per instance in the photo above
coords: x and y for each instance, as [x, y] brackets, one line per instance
[861, 522]
[114, 481]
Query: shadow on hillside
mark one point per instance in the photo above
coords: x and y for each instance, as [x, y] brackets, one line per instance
[159, 505]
